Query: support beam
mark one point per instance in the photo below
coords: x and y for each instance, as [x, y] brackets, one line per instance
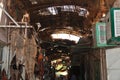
[9, 16]
[14, 26]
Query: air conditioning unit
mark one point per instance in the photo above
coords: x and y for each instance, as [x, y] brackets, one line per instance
[113, 26]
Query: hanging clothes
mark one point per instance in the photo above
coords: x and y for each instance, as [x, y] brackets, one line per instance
[26, 17]
[4, 76]
[13, 69]
[30, 55]
[19, 45]
[5, 58]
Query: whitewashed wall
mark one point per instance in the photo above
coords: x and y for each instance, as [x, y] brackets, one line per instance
[113, 63]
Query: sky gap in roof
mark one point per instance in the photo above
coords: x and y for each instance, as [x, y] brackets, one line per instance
[68, 8]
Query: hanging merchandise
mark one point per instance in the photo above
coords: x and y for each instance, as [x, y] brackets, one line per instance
[17, 41]
[17, 38]
[5, 58]
[26, 17]
[19, 45]
[13, 69]
[42, 66]
[39, 67]
[3, 37]
[4, 76]
[12, 40]
[30, 55]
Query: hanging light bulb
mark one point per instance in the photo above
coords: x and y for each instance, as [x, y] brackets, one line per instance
[103, 15]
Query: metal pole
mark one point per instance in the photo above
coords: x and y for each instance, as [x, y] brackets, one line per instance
[13, 26]
[9, 16]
